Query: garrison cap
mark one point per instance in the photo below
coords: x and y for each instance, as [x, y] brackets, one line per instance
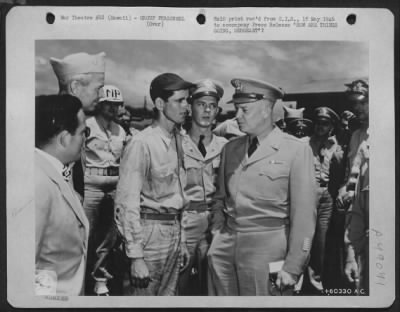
[357, 90]
[293, 113]
[111, 94]
[326, 113]
[206, 87]
[78, 63]
[251, 90]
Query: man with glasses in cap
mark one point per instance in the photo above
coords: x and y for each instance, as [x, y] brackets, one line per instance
[101, 157]
[328, 157]
[61, 225]
[355, 192]
[150, 194]
[263, 218]
[202, 151]
[80, 75]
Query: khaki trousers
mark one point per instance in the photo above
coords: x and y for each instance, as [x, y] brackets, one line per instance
[238, 261]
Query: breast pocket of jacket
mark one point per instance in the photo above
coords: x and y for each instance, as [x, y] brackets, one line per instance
[273, 181]
[117, 144]
[163, 180]
[95, 144]
[193, 171]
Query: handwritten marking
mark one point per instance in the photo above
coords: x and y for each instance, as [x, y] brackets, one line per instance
[380, 276]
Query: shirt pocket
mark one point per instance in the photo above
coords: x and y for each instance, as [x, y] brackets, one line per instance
[273, 181]
[193, 172]
[117, 144]
[216, 162]
[95, 144]
[163, 180]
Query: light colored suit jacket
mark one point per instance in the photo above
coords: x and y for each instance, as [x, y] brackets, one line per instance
[61, 229]
[274, 186]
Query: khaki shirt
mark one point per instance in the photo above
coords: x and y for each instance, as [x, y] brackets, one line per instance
[103, 148]
[151, 178]
[323, 156]
[202, 171]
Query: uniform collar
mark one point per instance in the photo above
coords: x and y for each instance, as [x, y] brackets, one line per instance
[268, 145]
[272, 138]
[165, 136]
[191, 149]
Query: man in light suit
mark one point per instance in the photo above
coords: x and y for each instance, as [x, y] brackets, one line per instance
[61, 225]
[264, 214]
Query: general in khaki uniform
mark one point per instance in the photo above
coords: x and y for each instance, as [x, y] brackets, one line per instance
[265, 206]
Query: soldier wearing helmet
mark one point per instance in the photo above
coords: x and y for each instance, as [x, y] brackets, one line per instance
[102, 153]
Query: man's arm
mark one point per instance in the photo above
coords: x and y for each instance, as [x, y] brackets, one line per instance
[217, 216]
[302, 194]
[133, 171]
[43, 205]
[134, 168]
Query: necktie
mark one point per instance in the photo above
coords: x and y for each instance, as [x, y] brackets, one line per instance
[201, 146]
[252, 147]
[66, 172]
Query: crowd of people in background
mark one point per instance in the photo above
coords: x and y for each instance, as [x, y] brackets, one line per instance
[189, 207]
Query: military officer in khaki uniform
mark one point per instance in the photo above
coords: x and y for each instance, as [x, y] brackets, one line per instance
[81, 75]
[265, 206]
[356, 190]
[202, 150]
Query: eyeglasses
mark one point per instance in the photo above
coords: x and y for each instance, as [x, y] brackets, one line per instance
[204, 106]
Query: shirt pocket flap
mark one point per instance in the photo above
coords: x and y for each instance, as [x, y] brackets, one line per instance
[191, 163]
[216, 162]
[275, 171]
[163, 171]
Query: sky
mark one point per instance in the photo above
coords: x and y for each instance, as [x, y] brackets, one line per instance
[295, 66]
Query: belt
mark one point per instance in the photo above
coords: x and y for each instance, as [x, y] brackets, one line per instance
[161, 216]
[109, 171]
[199, 206]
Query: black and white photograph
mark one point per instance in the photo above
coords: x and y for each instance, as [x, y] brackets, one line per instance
[201, 166]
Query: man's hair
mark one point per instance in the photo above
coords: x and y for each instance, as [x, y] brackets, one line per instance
[83, 79]
[54, 114]
[160, 93]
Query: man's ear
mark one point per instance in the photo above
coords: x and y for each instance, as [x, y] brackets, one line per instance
[159, 104]
[74, 87]
[63, 138]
